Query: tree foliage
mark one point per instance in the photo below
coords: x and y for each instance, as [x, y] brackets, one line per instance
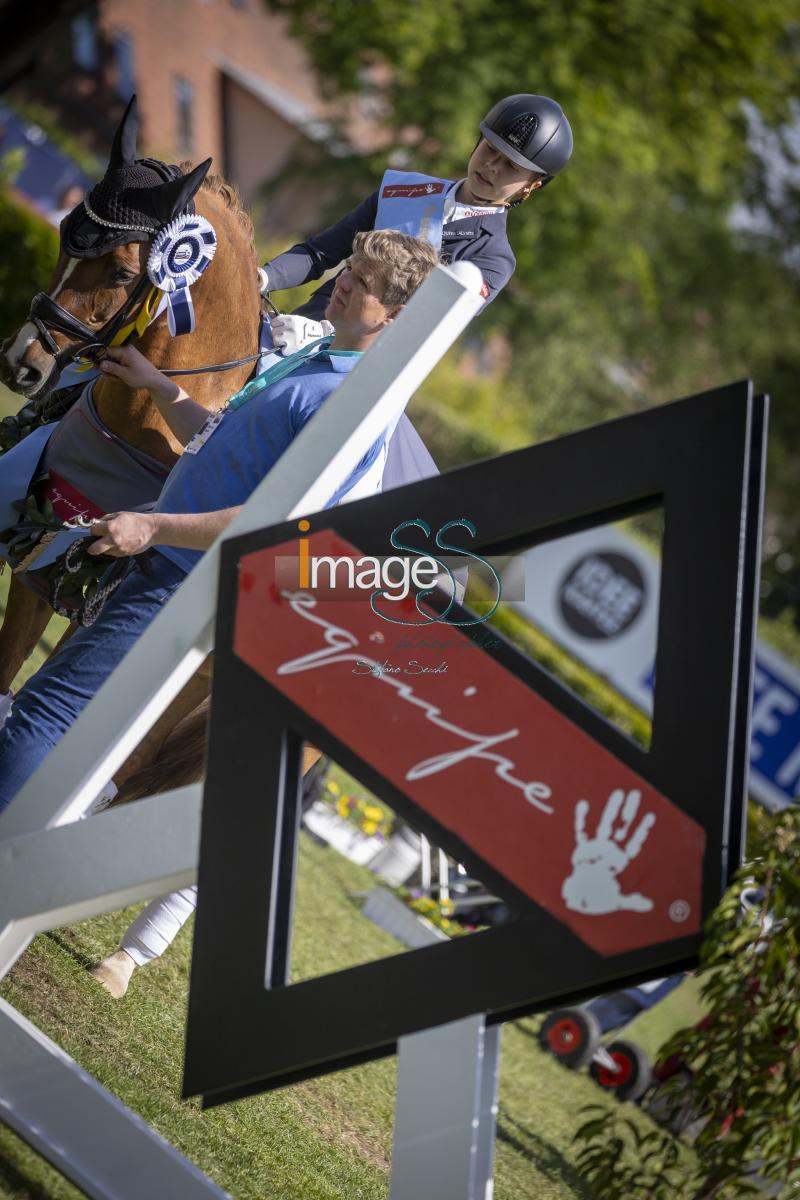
[633, 285]
[654, 94]
[745, 1057]
[28, 251]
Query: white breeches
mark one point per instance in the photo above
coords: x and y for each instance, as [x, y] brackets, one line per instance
[158, 925]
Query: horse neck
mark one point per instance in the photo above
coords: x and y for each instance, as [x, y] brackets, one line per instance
[227, 315]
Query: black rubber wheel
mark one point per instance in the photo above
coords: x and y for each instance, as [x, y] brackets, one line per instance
[572, 1035]
[634, 1074]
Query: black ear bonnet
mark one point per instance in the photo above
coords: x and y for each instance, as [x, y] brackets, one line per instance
[134, 199]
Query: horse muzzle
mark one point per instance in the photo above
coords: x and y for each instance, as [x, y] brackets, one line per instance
[24, 368]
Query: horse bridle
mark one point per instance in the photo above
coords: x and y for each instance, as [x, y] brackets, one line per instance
[49, 317]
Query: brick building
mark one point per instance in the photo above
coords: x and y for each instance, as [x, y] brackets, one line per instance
[213, 77]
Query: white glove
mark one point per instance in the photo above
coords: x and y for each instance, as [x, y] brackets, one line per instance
[290, 333]
[263, 281]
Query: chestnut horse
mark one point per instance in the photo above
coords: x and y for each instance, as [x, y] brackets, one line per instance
[227, 306]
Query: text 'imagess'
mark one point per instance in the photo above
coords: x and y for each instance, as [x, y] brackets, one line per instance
[387, 579]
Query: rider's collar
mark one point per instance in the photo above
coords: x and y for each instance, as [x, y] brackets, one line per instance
[456, 210]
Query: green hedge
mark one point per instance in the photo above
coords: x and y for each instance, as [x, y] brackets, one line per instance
[599, 695]
[28, 252]
[548, 654]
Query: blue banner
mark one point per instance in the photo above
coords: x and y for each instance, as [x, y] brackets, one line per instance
[775, 731]
[775, 743]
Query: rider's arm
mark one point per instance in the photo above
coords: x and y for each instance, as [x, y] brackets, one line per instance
[183, 415]
[496, 265]
[125, 533]
[319, 253]
[489, 252]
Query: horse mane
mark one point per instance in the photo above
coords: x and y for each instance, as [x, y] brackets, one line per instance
[179, 762]
[228, 192]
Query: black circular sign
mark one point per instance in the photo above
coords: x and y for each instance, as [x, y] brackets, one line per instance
[602, 594]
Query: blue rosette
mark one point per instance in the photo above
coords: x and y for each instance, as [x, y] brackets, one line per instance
[180, 254]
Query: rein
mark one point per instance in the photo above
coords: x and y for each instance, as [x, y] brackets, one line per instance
[214, 367]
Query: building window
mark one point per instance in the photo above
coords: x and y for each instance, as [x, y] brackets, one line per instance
[84, 42]
[184, 98]
[370, 99]
[123, 62]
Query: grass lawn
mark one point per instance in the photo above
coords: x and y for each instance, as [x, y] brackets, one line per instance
[330, 1138]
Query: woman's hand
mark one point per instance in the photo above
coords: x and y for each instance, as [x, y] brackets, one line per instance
[127, 364]
[124, 533]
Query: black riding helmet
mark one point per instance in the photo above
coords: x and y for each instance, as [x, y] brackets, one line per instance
[531, 131]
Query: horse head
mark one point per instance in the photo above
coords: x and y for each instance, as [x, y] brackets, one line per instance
[100, 280]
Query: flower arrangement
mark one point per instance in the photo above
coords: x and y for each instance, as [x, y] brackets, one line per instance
[374, 819]
[439, 913]
[365, 812]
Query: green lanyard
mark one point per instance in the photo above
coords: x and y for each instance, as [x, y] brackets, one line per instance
[280, 370]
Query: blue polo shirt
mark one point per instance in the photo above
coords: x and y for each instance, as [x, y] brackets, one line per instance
[249, 441]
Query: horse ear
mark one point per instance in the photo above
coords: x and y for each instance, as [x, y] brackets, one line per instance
[172, 197]
[123, 149]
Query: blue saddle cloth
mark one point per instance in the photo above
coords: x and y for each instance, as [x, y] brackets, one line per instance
[18, 466]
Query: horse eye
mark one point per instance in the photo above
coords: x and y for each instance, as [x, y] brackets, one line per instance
[122, 275]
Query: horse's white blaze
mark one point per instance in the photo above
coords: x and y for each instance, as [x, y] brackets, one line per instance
[70, 267]
[28, 333]
[25, 337]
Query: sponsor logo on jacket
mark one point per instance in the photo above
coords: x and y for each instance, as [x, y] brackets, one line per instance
[395, 191]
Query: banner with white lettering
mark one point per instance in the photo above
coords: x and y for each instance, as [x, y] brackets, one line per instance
[553, 811]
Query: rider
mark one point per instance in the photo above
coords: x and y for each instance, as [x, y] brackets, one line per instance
[525, 141]
[223, 462]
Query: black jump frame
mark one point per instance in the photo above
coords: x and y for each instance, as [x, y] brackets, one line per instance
[702, 460]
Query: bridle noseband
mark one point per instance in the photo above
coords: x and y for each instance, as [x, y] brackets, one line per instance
[46, 315]
[91, 344]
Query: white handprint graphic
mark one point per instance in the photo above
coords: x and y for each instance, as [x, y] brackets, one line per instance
[596, 862]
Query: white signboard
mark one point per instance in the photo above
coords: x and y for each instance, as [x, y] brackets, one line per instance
[596, 594]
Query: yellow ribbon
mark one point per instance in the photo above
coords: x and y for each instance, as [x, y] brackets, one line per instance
[136, 327]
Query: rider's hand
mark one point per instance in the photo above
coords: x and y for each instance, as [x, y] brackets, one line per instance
[124, 533]
[290, 333]
[127, 364]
